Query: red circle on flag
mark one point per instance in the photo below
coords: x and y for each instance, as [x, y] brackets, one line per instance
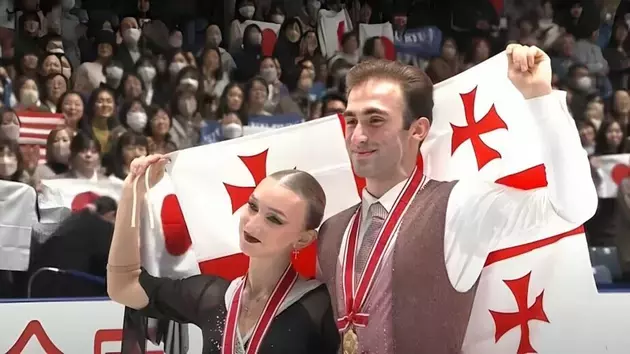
[82, 200]
[390, 49]
[269, 39]
[176, 236]
[619, 172]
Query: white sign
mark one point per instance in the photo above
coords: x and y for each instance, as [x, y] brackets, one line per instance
[69, 327]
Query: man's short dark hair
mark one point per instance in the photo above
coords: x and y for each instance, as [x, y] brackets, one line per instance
[416, 86]
[333, 96]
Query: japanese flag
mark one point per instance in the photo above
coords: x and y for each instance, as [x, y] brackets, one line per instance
[331, 26]
[383, 31]
[611, 169]
[18, 206]
[213, 182]
[269, 34]
[535, 295]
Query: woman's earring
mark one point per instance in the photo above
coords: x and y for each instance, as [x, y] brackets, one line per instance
[296, 252]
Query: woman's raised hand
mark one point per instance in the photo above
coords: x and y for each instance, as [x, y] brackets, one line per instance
[139, 167]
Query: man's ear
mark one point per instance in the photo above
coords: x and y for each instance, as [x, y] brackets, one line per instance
[420, 128]
[306, 238]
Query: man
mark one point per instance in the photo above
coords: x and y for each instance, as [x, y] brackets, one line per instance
[413, 292]
[333, 103]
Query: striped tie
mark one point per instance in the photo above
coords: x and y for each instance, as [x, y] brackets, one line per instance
[376, 217]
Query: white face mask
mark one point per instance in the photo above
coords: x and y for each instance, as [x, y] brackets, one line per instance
[247, 11]
[176, 67]
[147, 73]
[137, 121]
[232, 130]
[67, 4]
[10, 132]
[175, 42]
[584, 83]
[132, 35]
[8, 167]
[190, 82]
[114, 72]
[279, 19]
[29, 97]
[61, 152]
[269, 74]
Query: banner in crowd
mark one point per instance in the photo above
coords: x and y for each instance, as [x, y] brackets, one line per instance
[331, 26]
[18, 214]
[211, 130]
[65, 327]
[383, 31]
[214, 181]
[418, 44]
[269, 34]
[35, 128]
[536, 289]
[611, 170]
[75, 194]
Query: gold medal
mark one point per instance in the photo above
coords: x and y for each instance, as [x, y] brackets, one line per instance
[350, 342]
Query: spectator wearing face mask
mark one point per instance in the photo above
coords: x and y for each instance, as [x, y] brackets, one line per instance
[277, 89]
[300, 92]
[12, 163]
[177, 61]
[189, 79]
[244, 11]
[147, 72]
[215, 79]
[231, 127]
[129, 50]
[28, 95]
[55, 86]
[30, 30]
[276, 14]
[185, 131]
[9, 125]
[114, 73]
[129, 146]
[57, 155]
[175, 39]
[72, 107]
[133, 116]
[157, 131]
[248, 58]
[90, 75]
[214, 39]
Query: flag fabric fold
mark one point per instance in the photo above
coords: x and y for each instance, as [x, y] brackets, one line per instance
[17, 217]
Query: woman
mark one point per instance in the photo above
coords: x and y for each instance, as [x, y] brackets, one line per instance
[617, 56]
[186, 123]
[12, 163]
[275, 87]
[90, 75]
[609, 139]
[281, 217]
[57, 155]
[248, 57]
[72, 107]
[231, 101]
[309, 46]
[157, 131]
[129, 146]
[130, 88]
[287, 48]
[245, 10]
[55, 86]
[147, 72]
[481, 51]
[133, 116]
[9, 125]
[256, 93]
[349, 49]
[51, 64]
[85, 159]
[28, 95]
[215, 79]
[214, 40]
[102, 117]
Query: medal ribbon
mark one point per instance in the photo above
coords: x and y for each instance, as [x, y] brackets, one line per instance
[354, 300]
[279, 294]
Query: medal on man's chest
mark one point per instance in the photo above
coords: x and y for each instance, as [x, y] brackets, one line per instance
[350, 342]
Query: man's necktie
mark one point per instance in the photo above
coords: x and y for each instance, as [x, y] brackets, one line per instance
[375, 220]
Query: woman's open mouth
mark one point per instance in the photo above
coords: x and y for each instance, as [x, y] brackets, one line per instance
[249, 238]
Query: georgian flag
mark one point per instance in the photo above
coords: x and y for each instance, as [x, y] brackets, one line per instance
[535, 295]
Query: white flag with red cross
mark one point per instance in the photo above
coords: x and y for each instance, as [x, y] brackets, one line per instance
[384, 32]
[214, 181]
[535, 295]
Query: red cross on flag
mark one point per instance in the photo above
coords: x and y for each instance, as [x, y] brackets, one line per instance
[214, 181]
[536, 293]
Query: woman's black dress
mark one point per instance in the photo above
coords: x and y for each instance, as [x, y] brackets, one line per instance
[306, 326]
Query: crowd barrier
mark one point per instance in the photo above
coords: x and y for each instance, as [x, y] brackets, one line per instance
[68, 326]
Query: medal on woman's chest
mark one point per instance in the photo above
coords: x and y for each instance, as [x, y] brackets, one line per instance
[350, 342]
